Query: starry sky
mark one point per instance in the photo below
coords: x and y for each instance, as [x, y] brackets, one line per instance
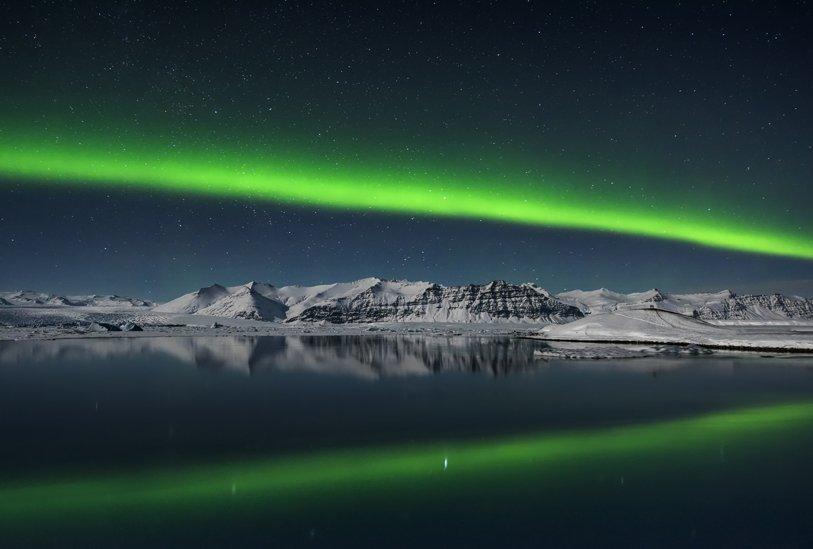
[149, 149]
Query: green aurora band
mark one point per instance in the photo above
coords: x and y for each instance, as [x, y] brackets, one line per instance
[285, 480]
[243, 174]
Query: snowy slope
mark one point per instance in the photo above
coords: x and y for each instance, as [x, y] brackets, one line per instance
[300, 298]
[195, 301]
[247, 302]
[660, 326]
[257, 301]
[724, 305]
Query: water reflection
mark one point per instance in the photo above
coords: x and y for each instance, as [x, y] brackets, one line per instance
[368, 357]
[107, 401]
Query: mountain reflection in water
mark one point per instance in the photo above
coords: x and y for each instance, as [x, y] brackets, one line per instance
[368, 357]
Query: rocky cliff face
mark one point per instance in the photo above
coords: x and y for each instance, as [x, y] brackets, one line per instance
[757, 307]
[496, 301]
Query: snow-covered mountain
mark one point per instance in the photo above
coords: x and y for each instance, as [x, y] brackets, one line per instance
[377, 300]
[27, 298]
[254, 300]
[724, 305]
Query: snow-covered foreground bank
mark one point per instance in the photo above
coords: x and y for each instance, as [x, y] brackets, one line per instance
[659, 326]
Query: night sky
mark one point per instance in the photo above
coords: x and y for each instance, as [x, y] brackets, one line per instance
[150, 149]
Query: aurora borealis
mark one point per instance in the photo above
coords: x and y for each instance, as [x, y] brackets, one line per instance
[573, 145]
[354, 189]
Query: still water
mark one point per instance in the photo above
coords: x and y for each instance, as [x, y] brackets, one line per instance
[397, 441]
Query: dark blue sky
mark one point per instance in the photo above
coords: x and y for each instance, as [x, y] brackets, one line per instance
[159, 247]
[709, 103]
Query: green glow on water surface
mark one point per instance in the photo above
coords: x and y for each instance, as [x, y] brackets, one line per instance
[340, 473]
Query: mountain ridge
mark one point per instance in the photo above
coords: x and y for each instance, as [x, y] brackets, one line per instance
[31, 298]
[375, 299]
[379, 300]
[722, 305]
